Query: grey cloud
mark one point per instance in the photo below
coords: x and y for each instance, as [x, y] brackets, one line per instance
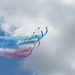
[62, 18]
[57, 51]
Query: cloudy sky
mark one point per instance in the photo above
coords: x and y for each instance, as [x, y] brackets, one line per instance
[56, 54]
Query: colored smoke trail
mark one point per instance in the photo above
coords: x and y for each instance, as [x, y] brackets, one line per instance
[10, 45]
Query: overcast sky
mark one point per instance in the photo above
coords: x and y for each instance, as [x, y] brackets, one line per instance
[56, 54]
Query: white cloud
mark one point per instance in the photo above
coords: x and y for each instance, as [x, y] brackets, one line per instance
[68, 2]
[56, 53]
